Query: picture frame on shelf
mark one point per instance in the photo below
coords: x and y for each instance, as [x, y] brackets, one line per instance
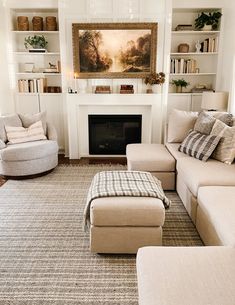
[114, 50]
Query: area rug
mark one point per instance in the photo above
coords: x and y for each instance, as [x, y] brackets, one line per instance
[44, 253]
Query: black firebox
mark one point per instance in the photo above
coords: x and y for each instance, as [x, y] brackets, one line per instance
[109, 134]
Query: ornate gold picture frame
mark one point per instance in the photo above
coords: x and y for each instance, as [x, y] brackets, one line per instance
[114, 50]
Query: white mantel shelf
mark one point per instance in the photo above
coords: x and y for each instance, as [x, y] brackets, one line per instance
[80, 105]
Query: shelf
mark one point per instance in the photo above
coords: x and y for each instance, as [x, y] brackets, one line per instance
[192, 74]
[38, 73]
[194, 53]
[194, 32]
[35, 32]
[36, 93]
[32, 53]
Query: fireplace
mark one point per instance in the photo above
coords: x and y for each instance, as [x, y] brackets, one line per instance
[109, 134]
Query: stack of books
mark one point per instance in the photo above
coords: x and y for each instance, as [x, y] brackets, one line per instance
[126, 89]
[183, 65]
[32, 85]
[102, 89]
[210, 45]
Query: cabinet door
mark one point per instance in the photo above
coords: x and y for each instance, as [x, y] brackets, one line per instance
[27, 103]
[196, 102]
[178, 101]
[53, 105]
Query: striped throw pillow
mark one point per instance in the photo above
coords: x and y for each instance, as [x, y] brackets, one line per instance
[225, 151]
[16, 135]
[198, 145]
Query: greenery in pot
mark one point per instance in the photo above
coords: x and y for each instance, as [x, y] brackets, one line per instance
[35, 42]
[155, 79]
[208, 19]
[180, 83]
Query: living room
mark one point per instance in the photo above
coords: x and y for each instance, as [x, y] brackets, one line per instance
[117, 145]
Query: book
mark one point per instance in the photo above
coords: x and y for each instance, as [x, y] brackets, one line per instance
[102, 89]
[122, 91]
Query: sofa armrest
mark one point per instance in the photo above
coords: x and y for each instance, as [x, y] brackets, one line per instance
[2, 144]
[51, 132]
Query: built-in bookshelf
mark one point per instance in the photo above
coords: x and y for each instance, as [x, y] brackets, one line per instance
[199, 65]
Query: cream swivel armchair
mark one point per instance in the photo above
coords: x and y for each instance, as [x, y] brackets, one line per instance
[27, 158]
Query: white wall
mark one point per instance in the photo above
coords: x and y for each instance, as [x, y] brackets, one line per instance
[6, 97]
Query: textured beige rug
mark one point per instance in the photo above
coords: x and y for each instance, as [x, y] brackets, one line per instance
[44, 253]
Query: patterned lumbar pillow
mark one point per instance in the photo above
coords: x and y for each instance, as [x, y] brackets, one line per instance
[225, 151]
[198, 145]
[17, 135]
[204, 123]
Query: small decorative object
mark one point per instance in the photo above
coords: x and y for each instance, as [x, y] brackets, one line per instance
[102, 89]
[197, 70]
[208, 21]
[114, 50]
[154, 79]
[180, 84]
[38, 43]
[51, 24]
[37, 23]
[184, 27]
[22, 23]
[183, 48]
[126, 89]
[29, 67]
[52, 69]
[198, 47]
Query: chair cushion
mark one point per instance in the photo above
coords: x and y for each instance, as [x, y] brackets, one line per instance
[218, 203]
[196, 173]
[150, 158]
[29, 119]
[16, 135]
[180, 122]
[186, 275]
[10, 120]
[127, 211]
[199, 146]
[29, 150]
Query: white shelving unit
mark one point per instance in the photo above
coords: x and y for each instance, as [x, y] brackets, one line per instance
[33, 102]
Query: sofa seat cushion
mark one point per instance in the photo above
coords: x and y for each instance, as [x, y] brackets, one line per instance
[173, 148]
[186, 275]
[127, 211]
[150, 158]
[196, 173]
[218, 204]
[29, 150]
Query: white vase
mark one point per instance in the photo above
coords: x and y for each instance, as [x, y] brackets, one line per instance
[207, 27]
[157, 88]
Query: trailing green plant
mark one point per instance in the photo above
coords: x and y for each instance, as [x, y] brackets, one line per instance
[211, 18]
[36, 41]
[155, 79]
[180, 82]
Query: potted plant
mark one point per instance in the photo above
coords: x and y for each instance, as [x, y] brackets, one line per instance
[36, 42]
[154, 79]
[180, 84]
[208, 21]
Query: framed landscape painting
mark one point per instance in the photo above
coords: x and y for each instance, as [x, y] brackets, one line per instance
[114, 50]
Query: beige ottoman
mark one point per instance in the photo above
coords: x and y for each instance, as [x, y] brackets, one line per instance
[153, 158]
[186, 276]
[124, 224]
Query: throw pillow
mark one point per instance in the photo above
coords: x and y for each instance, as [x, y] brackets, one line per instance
[29, 119]
[198, 145]
[225, 151]
[10, 120]
[16, 135]
[204, 123]
[180, 122]
[224, 117]
[2, 144]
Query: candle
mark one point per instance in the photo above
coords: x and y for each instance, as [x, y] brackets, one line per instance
[75, 82]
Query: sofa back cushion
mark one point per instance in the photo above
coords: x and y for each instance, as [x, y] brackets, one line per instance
[199, 146]
[225, 151]
[16, 135]
[180, 122]
[10, 120]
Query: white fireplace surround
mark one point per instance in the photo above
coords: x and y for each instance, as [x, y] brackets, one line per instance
[79, 106]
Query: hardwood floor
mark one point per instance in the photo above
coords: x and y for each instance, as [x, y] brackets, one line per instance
[82, 161]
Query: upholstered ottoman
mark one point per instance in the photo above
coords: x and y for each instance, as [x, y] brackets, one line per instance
[125, 211]
[186, 275]
[153, 158]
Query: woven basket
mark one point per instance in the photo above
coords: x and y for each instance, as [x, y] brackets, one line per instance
[37, 23]
[51, 24]
[22, 23]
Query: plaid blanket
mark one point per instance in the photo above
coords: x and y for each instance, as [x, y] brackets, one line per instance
[123, 183]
